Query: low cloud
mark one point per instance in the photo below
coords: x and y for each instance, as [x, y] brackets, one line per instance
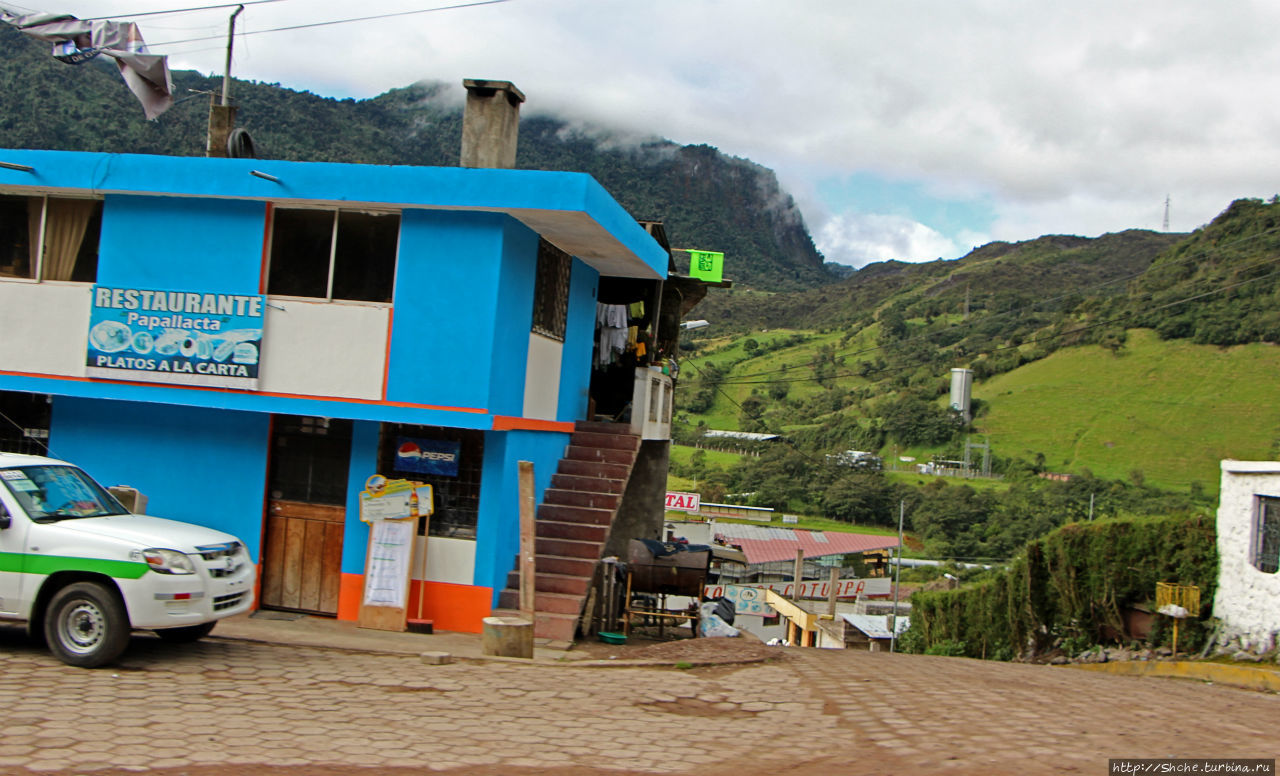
[858, 239]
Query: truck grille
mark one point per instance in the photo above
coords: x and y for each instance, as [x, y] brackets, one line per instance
[215, 551]
[222, 560]
[221, 602]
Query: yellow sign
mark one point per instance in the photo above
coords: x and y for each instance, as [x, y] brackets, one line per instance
[384, 499]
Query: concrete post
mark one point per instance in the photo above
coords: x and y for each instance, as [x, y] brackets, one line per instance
[490, 124]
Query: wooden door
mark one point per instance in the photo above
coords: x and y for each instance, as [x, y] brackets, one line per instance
[303, 563]
[305, 513]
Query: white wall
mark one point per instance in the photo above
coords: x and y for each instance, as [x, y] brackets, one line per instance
[324, 349]
[448, 560]
[45, 327]
[1247, 600]
[542, 382]
[301, 340]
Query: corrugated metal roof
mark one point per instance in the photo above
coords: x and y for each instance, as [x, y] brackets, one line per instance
[763, 544]
[876, 626]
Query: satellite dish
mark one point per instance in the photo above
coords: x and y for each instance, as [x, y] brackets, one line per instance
[240, 145]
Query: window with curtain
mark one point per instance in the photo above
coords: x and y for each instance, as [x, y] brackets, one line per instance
[69, 248]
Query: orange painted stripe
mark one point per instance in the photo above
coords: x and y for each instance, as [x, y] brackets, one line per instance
[266, 245]
[386, 355]
[350, 593]
[215, 389]
[509, 423]
[457, 608]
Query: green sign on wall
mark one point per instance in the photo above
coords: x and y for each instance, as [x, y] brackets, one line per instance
[706, 265]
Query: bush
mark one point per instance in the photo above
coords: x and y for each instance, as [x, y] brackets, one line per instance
[1073, 586]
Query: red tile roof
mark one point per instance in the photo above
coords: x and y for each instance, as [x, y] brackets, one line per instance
[763, 545]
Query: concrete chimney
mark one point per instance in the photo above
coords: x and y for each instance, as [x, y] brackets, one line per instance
[490, 124]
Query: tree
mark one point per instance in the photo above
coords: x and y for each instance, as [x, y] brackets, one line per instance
[860, 497]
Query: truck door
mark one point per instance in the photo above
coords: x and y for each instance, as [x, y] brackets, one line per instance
[13, 549]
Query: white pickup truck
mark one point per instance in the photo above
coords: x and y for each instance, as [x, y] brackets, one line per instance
[84, 572]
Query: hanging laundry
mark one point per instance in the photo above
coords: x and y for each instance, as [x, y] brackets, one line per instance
[611, 331]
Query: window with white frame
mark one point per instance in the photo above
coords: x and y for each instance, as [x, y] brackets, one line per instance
[333, 254]
[49, 238]
[1266, 534]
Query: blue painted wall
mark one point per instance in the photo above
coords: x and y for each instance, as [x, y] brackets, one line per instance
[579, 341]
[510, 354]
[180, 244]
[201, 466]
[364, 462]
[463, 306]
[498, 529]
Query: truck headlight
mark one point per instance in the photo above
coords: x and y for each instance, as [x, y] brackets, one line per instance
[168, 562]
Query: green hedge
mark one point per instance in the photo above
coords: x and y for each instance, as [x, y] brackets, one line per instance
[1071, 588]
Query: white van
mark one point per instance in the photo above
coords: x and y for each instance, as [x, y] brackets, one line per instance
[83, 571]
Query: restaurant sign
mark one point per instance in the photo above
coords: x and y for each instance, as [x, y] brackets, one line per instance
[180, 337]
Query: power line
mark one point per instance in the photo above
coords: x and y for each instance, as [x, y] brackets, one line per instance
[333, 22]
[176, 10]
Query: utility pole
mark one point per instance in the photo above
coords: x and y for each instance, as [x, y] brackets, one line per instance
[897, 576]
[1166, 212]
[222, 116]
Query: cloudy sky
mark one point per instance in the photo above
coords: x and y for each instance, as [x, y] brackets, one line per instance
[911, 130]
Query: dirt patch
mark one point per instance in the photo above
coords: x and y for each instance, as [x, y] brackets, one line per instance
[694, 707]
[682, 652]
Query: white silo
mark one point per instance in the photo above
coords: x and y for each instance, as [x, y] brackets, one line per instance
[961, 385]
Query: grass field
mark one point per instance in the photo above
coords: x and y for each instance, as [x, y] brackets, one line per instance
[1171, 409]
[755, 372]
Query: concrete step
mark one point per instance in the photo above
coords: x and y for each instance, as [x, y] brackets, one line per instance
[602, 427]
[557, 627]
[547, 625]
[546, 582]
[582, 532]
[600, 454]
[558, 603]
[593, 469]
[605, 441]
[566, 566]
[577, 498]
[567, 548]
[591, 484]
[566, 514]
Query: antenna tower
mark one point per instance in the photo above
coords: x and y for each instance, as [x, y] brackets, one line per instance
[1166, 212]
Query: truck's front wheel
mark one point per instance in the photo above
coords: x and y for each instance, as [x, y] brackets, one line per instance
[86, 625]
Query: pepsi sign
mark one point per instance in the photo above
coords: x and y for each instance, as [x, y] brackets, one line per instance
[428, 456]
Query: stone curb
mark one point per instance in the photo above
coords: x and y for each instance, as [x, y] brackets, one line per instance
[1236, 676]
[536, 661]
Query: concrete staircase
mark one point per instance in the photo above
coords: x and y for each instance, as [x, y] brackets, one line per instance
[573, 524]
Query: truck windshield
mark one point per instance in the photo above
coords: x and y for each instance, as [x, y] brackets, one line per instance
[58, 492]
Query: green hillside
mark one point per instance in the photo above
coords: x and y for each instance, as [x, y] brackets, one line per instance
[1171, 409]
[706, 199]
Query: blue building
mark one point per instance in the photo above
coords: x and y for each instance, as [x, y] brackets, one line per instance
[246, 342]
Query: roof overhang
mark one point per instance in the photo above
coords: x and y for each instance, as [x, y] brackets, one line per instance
[569, 210]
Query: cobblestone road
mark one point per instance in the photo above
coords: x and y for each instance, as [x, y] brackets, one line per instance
[237, 707]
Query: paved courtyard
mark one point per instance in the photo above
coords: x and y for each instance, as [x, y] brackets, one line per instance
[228, 706]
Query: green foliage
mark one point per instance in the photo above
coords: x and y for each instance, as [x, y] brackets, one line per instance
[1071, 588]
[861, 497]
[946, 648]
